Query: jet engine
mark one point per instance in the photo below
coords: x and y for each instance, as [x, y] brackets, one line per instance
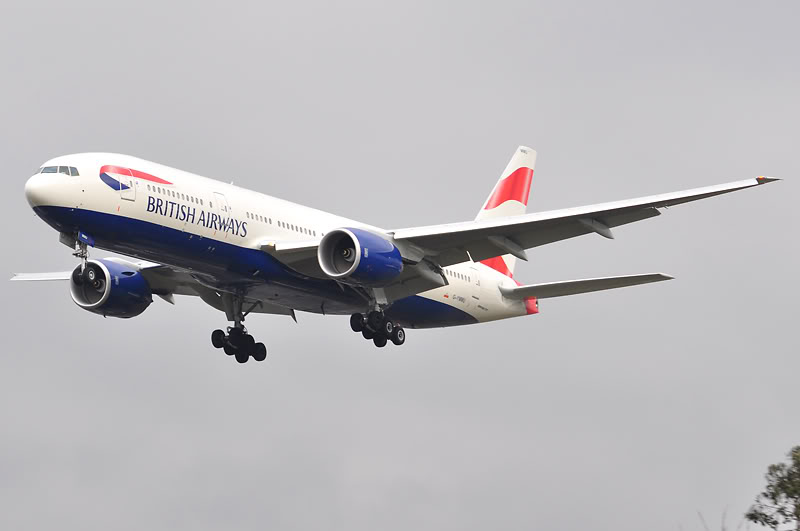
[110, 289]
[360, 257]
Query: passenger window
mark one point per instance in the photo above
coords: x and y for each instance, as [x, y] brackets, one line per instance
[50, 169]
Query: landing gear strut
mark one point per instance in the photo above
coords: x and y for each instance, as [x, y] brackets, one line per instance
[237, 342]
[377, 327]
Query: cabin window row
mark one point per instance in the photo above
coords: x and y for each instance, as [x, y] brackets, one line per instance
[451, 273]
[281, 224]
[172, 193]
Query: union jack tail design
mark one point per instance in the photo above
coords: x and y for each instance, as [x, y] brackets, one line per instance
[510, 198]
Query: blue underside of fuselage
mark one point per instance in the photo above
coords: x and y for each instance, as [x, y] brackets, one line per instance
[230, 264]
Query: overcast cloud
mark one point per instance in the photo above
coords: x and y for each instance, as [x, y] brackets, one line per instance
[625, 410]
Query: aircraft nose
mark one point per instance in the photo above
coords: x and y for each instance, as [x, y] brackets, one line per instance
[35, 190]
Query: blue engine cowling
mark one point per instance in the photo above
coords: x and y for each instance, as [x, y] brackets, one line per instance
[358, 256]
[110, 288]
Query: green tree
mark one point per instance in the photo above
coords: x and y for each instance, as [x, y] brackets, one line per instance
[778, 506]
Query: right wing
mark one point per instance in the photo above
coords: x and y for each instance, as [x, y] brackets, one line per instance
[478, 240]
[575, 287]
[166, 282]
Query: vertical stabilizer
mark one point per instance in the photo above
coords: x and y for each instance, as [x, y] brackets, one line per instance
[510, 198]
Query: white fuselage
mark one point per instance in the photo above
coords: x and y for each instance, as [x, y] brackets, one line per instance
[161, 214]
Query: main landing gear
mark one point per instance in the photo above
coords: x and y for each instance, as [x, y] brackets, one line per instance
[377, 327]
[237, 342]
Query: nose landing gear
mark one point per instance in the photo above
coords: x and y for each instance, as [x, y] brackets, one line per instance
[377, 327]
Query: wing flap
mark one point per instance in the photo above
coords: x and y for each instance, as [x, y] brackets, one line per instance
[576, 287]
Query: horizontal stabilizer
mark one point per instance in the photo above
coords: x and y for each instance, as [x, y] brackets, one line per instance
[61, 275]
[575, 287]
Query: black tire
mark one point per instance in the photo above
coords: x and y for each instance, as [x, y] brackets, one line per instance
[380, 341]
[398, 336]
[357, 322]
[248, 343]
[367, 333]
[218, 338]
[91, 274]
[236, 337]
[242, 356]
[375, 320]
[259, 352]
[387, 327]
[229, 349]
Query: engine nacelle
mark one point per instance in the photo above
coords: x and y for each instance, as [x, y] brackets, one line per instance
[357, 256]
[110, 288]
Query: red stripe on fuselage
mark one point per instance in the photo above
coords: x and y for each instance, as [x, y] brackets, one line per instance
[516, 187]
[135, 173]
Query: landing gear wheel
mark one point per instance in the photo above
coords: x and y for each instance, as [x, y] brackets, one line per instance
[387, 327]
[218, 338]
[259, 352]
[241, 356]
[398, 336]
[247, 343]
[375, 320]
[229, 349]
[367, 333]
[90, 273]
[380, 341]
[357, 322]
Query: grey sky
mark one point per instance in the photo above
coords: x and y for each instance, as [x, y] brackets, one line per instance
[627, 410]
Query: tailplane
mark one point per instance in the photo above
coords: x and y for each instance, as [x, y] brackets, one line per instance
[510, 198]
[575, 287]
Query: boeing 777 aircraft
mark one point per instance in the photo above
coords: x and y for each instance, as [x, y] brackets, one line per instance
[244, 252]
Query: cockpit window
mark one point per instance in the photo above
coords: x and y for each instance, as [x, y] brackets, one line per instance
[63, 169]
[73, 171]
[50, 169]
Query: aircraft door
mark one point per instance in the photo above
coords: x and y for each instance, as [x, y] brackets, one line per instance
[477, 288]
[127, 186]
[223, 211]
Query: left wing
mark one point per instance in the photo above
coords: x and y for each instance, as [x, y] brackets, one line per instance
[478, 240]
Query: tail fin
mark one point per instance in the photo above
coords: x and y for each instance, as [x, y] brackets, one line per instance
[510, 198]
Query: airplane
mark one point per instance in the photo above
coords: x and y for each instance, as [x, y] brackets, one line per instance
[244, 252]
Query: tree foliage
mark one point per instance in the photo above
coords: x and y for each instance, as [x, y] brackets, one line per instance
[778, 506]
